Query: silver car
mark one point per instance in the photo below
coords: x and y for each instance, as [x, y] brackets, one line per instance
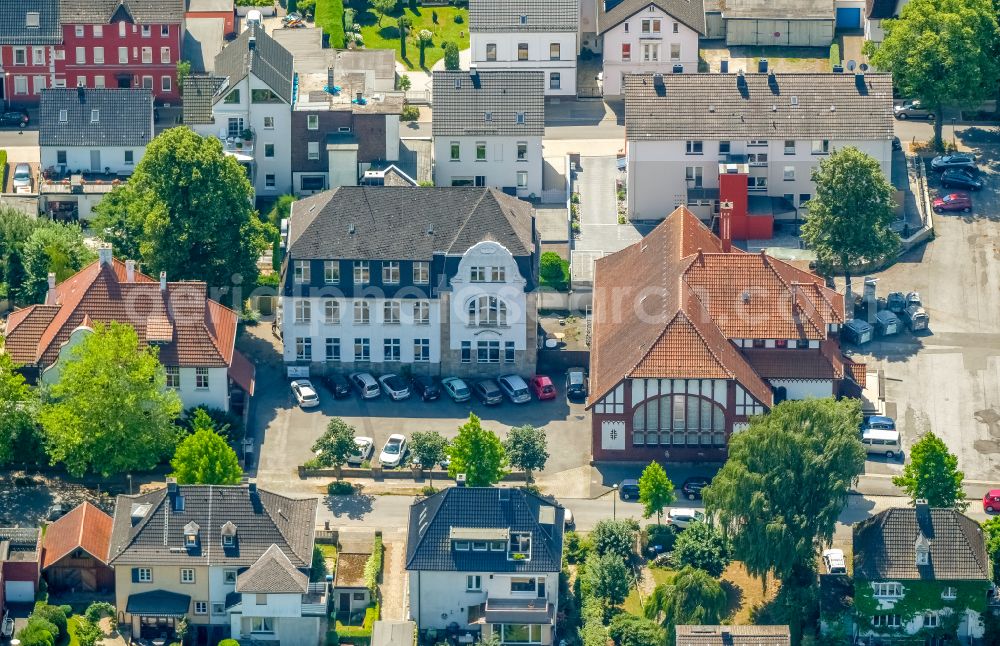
[515, 389]
[22, 177]
[911, 110]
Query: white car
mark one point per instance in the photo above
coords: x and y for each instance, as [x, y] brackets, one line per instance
[366, 385]
[394, 386]
[834, 561]
[515, 389]
[393, 451]
[681, 517]
[365, 448]
[304, 393]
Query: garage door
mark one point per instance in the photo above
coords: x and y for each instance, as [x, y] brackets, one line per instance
[19, 591]
[848, 18]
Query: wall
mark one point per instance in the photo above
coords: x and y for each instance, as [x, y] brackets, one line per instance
[278, 605]
[287, 630]
[166, 577]
[215, 396]
[343, 164]
[78, 157]
[538, 56]
[615, 66]
[35, 75]
[761, 31]
[805, 388]
[433, 594]
[228, 18]
[500, 168]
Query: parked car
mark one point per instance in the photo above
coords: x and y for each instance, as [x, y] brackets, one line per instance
[878, 441]
[305, 393]
[911, 110]
[692, 487]
[576, 383]
[425, 387]
[683, 516]
[393, 451]
[953, 202]
[366, 385]
[394, 386]
[14, 118]
[365, 448]
[22, 177]
[456, 389]
[338, 386]
[488, 392]
[961, 178]
[543, 387]
[881, 422]
[991, 501]
[568, 521]
[834, 561]
[515, 389]
[955, 160]
[628, 489]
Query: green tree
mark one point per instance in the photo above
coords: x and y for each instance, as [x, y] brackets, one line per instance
[54, 615]
[991, 529]
[655, 491]
[424, 37]
[430, 447]
[702, 546]
[306, 7]
[111, 411]
[629, 630]
[88, 632]
[849, 219]
[403, 83]
[942, 52]
[932, 474]
[606, 577]
[616, 537]
[318, 570]
[527, 449]
[187, 209]
[403, 25]
[37, 633]
[183, 71]
[204, 457]
[383, 8]
[693, 597]
[478, 453]
[335, 445]
[18, 408]
[451, 60]
[553, 270]
[55, 248]
[800, 446]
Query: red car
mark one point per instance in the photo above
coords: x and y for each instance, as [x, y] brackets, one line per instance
[991, 501]
[953, 202]
[542, 387]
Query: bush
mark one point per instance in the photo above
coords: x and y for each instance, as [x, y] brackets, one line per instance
[459, 19]
[703, 546]
[54, 615]
[451, 60]
[410, 113]
[834, 55]
[553, 270]
[100, 609]
[577, 547]
[617, 536]
[339, 488]
[662, 535]
[36, 634]
[229, 642]
[373, 567]
[428, 491]
[227, 424]
[3, 165]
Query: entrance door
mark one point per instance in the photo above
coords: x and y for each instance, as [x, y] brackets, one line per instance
[95, 161]
[345, 602]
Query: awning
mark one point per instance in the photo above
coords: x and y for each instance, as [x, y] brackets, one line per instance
[518, 611]
[158, 603]
[243, 372]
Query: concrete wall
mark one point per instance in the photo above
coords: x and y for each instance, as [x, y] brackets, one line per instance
[793, 33]
[615, 66]
[500, 167]
[79, 158]
[538, 56]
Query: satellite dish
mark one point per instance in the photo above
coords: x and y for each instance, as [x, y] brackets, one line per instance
[863, 67]
[851, 64]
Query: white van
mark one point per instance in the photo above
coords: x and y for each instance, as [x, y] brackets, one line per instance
[881, 442]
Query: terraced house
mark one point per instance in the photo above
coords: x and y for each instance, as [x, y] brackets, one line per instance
[30, 39]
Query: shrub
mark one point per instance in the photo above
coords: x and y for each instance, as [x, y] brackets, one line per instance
[703, 546]
[617, 536]
[410, 113]
[36, 633]
[459, 19]
[340, 488]
[3, 165]
[373, 567]
[451, 60]
[577, 547]
[229, 642]
[227, 424]
[100, 609]
[834, 55]
[55, 615]
[428, 491]
[554, 271]
[662, 535]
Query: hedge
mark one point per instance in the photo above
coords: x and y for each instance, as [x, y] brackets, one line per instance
[330, 16]
[834, 55]
[373, 568]
[3, 167]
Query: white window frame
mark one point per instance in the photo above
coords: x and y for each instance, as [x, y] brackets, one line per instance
[362, 312]
[362, 272]
[390, 312]
[145, 575]
[473, 583]
[312, 150]
[301, 273]
[201, 379]
[147, 55]
[312, 122]
[421, 272]
[390, 272]
[187, 575]
[331, 311]
[421, 312]
[421, 350]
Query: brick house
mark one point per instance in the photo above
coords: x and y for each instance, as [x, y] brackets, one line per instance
[29, 42]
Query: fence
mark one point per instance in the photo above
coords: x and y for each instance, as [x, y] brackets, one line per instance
[422, 97]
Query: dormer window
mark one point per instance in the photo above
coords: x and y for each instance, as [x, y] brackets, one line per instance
[487, 117]
[524, 19]
[519, 117]
[191, 534]
[519, 546]
[228, 541]
[31, 19]
[922, 549]
[228, 532]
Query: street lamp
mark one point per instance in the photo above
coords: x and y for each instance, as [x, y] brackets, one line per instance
[614, 501]
[953, 143]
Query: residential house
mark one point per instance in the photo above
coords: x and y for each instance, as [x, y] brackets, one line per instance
[122, 44]
[75, 551]
[30, 36]
[735, 635]
[752, 140]
[648, 36]
[195, 335]
[20, 550]
[488, 129]
[536, 35]
[207, 26]
[794, 23]
[918, 569]
[692, 337]
[247, 104]
[459, 297]
[875, 12]
[488, 560]
[233, 560]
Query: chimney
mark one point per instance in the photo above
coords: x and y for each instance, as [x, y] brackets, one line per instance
[252, 43]
[163, 281]
[473, 70]
[172, 486]
[50, 296]
[130, 271]
[252, 486]
[104, 254]
[923, 515]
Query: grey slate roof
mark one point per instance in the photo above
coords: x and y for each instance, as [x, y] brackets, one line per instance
[100, 12]
[394, 222]
[199, 97]
[779, 10]
[428, 543]
[461, 101]
[272, 573]
[839, 107]
[688, 635]
[884, 547]
[504, 16]
[687, 12]
[268, 61]
[13, 25]
[125, 117]
[262, 519]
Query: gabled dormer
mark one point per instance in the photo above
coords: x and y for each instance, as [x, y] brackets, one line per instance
[229, 535]
[191, 535]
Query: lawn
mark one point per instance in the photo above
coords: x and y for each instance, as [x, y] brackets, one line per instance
[660, 575]
[71, 626]
[386, 35]
[745, 593]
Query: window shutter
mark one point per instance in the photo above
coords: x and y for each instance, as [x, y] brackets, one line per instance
[135, 575]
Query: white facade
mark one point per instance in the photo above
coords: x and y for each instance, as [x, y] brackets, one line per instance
[658, 171]
[501, 162]
[551, 52]
[649, 41]
[92, 159]
[273, 617]
[970, 624]
[873, 28]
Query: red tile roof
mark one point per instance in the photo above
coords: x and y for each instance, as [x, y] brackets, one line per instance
[671, 304]
[85, 527]
[243, 372]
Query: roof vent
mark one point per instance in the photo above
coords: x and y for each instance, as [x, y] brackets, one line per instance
[774, 108]
[833, 108]
[430, 229]
[252, 43]
[745, 296]
[350, 228]
[139, 511]
[711, 108]
[795, 100]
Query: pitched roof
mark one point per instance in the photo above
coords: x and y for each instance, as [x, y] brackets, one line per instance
[85, 527]
[124, 117]
[407, 223]
[14, 29]
[733, 635]
[668, 305]
[268, 61]
[100, 12]
[463, 100]
[199, 96]
[272, 573]
[779, 9]
[203, 331]
[689, 12]
[262, 519]
[885, 546]
[432, 520]
[538, 16]
[839, 107]
[880, 9]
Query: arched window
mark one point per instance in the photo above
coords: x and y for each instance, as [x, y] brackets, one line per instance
[487, 311]
[679, 420]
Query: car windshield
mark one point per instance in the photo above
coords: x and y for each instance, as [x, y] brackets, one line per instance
[21, 173]
[392, 448]
[395, 383]
[461, 391]
[576, 378]
[547, 388]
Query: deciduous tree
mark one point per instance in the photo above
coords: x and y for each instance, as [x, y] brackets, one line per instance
[655, 491]
[430, 447]
[702, 546]
[451, 59]
[629, 630]
[615, 536]
[55, 248]
[932, 474]
[606, 577]
[204, 457]
[694, 597]
[478, 453]
[527, 449]
[18, 408]
[383, 8]
[335, 445]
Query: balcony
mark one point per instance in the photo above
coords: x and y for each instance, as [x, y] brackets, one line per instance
[518, 611]
[242, 150]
